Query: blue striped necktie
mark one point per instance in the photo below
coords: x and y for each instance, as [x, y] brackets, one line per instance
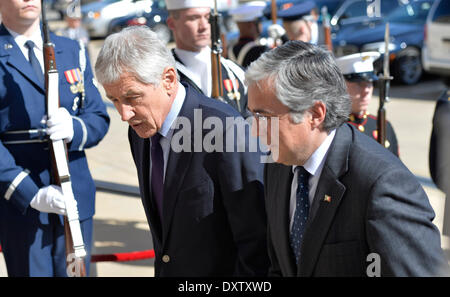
[301, 212]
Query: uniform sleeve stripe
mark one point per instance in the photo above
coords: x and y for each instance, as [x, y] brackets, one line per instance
[85, 133]
[15, 183]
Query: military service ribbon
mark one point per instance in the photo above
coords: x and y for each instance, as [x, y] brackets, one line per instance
[74, 78]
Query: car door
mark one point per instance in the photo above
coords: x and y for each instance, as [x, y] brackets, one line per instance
[438, 33]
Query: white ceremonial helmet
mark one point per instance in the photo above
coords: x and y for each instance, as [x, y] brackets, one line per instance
[182, 4]
[358, 67]
[247, 12]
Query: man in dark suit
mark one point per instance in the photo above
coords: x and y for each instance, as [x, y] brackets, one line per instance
[338, 203]
[202, 193]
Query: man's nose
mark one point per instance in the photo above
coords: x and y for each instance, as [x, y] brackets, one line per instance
[204, 24]
[126, 112]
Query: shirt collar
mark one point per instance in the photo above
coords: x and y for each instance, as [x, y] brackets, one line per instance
[193, 58]
[315, 162]
[36, 37]
[174, 110]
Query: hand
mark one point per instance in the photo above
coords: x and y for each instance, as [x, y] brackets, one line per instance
[276, 31]
[49, 199]
[60, 125]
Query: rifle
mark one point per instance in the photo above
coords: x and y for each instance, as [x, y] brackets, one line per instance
[326, 28]
[216, 51]
[75, 251]
[273, 14]
[384, 84]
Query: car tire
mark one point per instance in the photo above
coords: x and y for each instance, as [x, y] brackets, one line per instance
[407, 66]
[163, 32]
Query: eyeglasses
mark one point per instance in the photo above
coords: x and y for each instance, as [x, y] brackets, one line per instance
[265, 116]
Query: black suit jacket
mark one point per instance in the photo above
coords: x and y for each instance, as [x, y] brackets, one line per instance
[439, 155]
[377, 206]
[214, 220]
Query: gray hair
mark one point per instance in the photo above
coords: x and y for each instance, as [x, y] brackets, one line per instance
[136, 50]
[302, 74]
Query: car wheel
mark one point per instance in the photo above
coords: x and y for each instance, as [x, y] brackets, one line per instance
[163, 32]
[407, 67]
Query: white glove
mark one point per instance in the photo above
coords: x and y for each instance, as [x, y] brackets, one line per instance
[60, 125]
[276, 31]
[49, 199]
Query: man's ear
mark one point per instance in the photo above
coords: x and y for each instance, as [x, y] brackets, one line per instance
[169, 78]
[170, 22]
[318, 112]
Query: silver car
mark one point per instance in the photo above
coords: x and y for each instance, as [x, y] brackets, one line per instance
[97, 20]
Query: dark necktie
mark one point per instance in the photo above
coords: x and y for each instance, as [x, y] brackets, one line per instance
[301, 212]
[34, 61]
[157, 176]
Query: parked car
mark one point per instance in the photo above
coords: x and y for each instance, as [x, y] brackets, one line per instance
[357, 11]
[60, 6]
[436, 49]
[98, 15]
[406, 25]
[155, 18]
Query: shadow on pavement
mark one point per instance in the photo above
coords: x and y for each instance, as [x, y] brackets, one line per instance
[114, 236]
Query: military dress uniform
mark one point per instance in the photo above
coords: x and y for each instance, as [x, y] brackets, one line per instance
[33, 241]
[367, 124]
[358, 68]
[247, 49]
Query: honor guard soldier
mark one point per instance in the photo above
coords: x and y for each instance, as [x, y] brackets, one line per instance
[248, 19]
[189, 22]
[31, 225]
[74, 29]
[359, 76]
[299, 23]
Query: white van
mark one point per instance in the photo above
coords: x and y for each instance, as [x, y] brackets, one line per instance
[436, 50]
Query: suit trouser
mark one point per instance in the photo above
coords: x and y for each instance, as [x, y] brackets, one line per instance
[35, 249]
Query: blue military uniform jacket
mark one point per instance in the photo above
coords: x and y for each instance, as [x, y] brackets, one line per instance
[24, 168]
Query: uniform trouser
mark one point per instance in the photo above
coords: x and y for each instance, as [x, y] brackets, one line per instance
[35, 249]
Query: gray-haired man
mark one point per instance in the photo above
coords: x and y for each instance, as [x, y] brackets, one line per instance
[205, 209]
[338, 203]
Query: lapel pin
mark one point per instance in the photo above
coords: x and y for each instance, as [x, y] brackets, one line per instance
[327, 198]
[8, 46]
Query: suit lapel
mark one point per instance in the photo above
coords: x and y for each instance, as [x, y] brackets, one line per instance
[324, 209]
[283, 177]
[13, 56]
[178, 164]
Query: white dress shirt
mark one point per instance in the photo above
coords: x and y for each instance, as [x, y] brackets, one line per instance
[314, 166]
[166, 131]
[199, 64]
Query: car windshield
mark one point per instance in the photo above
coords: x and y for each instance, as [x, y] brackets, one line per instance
[412, 13]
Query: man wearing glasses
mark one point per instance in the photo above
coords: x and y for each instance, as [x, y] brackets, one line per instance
[338, 203]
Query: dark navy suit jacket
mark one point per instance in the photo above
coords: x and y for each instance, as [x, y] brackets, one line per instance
[214, 221]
